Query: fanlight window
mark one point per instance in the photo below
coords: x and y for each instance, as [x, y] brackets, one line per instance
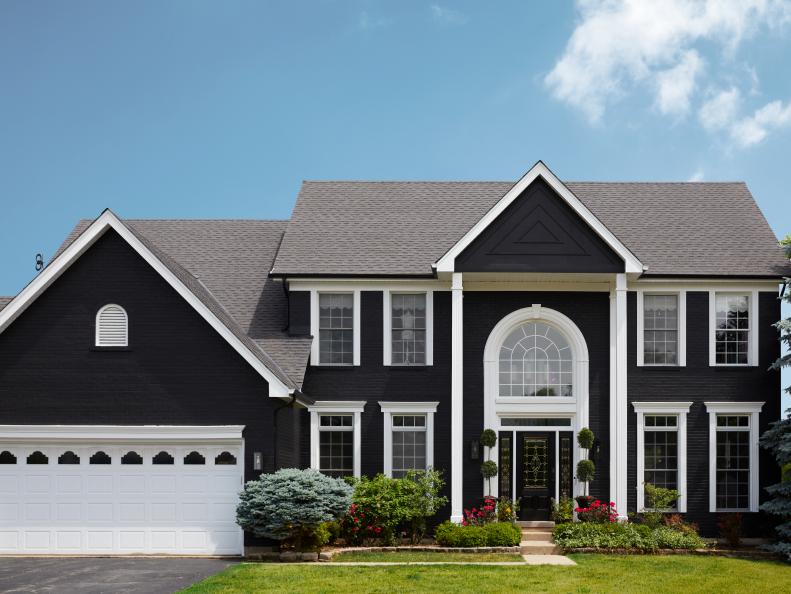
[535, 361]
[112, 326]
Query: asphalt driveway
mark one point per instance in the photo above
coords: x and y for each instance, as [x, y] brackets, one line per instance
[97, 575]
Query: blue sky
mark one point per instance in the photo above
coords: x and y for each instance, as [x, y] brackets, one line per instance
[219, 109]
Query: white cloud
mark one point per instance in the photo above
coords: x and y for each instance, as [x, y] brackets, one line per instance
[720, 110]
[366, 22]
[752, 130]
[619, 44]
[699, 175]
[448, 16]
[676, 85]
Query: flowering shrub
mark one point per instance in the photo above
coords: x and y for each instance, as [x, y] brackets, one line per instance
[486, 514]
[360, 526]
[597, 513]
[507, 509]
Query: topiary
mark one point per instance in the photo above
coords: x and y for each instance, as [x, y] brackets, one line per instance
[586, 471]
[585, 438]
[289, 505]
[489, 470]
[488, 438]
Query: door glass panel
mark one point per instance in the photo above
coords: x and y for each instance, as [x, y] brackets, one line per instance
[505, 466]
[565, 466]
[535, 461]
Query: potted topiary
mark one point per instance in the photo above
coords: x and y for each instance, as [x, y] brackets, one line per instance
[586, 469]
[488, 468]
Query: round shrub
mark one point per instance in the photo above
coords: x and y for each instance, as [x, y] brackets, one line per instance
[489, 469]
[488, 438]
[586, 470]
[289, 505]
[502, 534]
[449, 534]
[585, 438]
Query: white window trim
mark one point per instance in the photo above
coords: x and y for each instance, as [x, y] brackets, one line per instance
[387, 317]
[752, 346]
[681, 329]
[314, 326]
[679, 410]
[753, 409]
[340, 407]
[407, 408]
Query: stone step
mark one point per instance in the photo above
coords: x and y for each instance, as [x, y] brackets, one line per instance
[547, 560]
[535, 524]
[540, 535]
[527, 547]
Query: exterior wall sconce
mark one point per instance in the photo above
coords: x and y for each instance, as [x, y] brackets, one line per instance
[475, 449]
[258, 461]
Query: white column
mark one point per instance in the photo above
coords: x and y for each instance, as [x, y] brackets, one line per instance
[618, 431]
[457, 400]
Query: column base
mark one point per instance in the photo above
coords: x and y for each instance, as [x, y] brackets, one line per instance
[456, 518]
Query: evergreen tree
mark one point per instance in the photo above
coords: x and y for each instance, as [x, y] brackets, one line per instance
[777, 439]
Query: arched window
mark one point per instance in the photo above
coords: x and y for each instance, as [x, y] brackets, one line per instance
[68, 457]
[7, 457]
[194, 458]
[100, 458]
[37, 457]
[535, 360]
[112, 326]
[131, 458]
[225, 458]
[162, 458]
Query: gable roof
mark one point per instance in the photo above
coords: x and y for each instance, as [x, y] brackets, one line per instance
[189, 285]
[5, 301]
[359, 228]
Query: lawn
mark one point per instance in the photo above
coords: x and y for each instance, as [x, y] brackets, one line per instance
[594, 574]
[435, 557]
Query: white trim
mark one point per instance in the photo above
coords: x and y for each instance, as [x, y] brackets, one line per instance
[447, 262]
[574, 407]
[753, 409]
[341, 285]
[620, 496]
[119, 433]
[457, 399]
[407, 408]
[314, 324]
[108, 220]
[681, 329]
[752, 337]
[387, 339]
[680, 411]
[703, 284]
[329, 407]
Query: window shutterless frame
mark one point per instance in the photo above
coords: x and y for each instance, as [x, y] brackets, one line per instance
[387, 324]
[678, 410]
[751, 330]
[681, 328]
[751, 410]
[315, 357]
[353, 408]
[392, 409]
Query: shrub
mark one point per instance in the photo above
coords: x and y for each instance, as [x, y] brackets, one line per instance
[638, 537]
[449, 534]
[498, 534]
[507, 510]
[730, 526]
[489, 470]
[424, 502]
[502, 534]
[359, 526]
[677, 523]
[597, 512]
[486, 514]
[290, 504]
[585, 438]
[563, 510]
[488, 438]
[657, 500]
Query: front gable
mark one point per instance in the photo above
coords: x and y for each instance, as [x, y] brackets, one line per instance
[539, 225]
[538, 232]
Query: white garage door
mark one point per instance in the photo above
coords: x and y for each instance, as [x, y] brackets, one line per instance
[121, 497]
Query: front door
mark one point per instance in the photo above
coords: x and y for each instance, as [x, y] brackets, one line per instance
[536, 475]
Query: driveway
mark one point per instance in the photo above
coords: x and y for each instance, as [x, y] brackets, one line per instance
[97, 575]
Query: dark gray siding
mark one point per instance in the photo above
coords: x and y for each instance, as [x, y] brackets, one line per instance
[177, 369]
[697, 383]
[538, 232]
[372, 381]
[591, 313]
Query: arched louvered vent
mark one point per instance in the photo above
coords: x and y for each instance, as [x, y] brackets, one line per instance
[112, 328]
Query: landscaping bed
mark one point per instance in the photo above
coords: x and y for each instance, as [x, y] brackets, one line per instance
[435, 555]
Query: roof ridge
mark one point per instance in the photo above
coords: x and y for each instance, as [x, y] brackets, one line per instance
[487, 181]
[183, 220]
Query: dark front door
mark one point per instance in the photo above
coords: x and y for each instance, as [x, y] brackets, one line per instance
[536, 475]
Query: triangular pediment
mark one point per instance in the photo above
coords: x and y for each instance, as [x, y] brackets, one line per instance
[538, 232]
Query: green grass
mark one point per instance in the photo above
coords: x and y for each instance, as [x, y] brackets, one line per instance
[417, 556]
[594, 574]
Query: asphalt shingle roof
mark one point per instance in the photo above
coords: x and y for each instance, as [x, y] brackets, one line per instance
[5, 301]
[402, 228]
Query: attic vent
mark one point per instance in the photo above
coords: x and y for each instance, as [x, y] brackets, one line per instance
[112, 329]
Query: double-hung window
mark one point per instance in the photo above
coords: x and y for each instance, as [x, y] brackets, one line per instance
[733, 462]
[407, 327]
[732, 317]
[661, 448]
[335, 325]
[408, 436]
[335, 437]
[661, 328]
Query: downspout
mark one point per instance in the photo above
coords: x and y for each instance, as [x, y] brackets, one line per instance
[275, 423]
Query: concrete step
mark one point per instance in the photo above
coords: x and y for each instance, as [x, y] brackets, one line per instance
[535, 524]
[527, 547]
[547, 560]
[537, 534]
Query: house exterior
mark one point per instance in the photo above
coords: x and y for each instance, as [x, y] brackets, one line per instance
[155, 365]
